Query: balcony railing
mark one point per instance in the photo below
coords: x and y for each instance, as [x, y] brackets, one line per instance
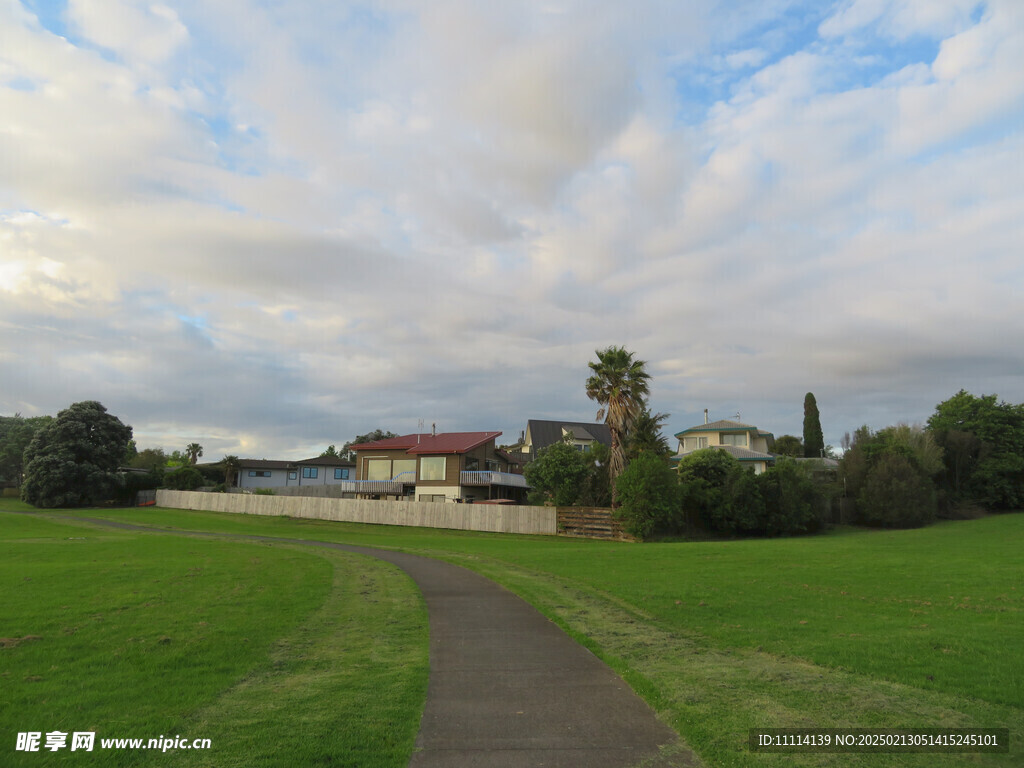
[394, 487]
[493, 478]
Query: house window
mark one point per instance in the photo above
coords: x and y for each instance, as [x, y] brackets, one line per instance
[378, 469]
[694, 443]
[257, 473]
[340, 474]
[310, 472]
[293, 475]
[432, 468]
[735, 439]
[401, 466]
[472, 464]
[432, 497]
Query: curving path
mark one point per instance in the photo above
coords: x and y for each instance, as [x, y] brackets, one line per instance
[507, 687]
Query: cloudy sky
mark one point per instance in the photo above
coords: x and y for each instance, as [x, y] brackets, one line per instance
[267, 227]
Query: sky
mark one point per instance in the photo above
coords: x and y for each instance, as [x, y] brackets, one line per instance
[270, 227]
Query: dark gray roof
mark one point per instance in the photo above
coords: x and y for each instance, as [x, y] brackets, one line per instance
[264, 464]
[325, 461]
[545, 432]
[316, 461]
[723, 425]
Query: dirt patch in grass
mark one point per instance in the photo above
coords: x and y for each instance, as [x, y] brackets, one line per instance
[14, 642]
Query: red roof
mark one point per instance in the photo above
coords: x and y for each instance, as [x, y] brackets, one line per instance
[445, 442]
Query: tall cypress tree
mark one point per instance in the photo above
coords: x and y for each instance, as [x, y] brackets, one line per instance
[814, 441]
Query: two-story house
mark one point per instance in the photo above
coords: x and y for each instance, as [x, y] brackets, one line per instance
[744, 442]
[540, 433]
[447, 466]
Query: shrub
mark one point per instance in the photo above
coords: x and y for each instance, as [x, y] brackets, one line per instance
[648, 496]
[557, 475]
[792, 500]
[717, 490]
[896, 494]
[133, 482]
[184, 479]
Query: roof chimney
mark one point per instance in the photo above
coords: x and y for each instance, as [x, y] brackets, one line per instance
[705, 415]
[433, 429]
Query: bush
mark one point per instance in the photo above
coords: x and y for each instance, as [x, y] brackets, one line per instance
[730, 499]
[648, 496]
[896, 494]
[184, 479]
[134, 482]
[557, 475]
[718, 491]
[792, 500]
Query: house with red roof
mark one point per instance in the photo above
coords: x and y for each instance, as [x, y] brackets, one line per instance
[445, 466]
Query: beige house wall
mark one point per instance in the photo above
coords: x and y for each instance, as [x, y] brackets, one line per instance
[423, 514]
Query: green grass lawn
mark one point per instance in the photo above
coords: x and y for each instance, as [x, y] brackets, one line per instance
[856, 628]
[271, 652]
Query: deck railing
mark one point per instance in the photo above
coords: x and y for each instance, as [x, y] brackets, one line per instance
[493, 478]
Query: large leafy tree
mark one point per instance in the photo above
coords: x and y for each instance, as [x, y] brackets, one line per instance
[16, 432]
[788, 445]
[369, 437]
[983, 439]
[73, 460]
[153, 459]
[889, 474]
[814, 441]
[620, 385]
[558, 475]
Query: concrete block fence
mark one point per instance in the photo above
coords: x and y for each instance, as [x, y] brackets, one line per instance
[493, 518]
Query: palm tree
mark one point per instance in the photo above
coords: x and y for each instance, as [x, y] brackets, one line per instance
[231, 466]
[193, 451]
[646, 435]
[620, 386]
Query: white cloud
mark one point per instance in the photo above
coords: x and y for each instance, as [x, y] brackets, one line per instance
[262, 227]
[139, 32]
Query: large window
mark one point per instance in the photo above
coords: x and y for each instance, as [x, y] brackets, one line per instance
[310, 472]
[432, 468]
[694, 443]
[378, 469]
[398, 466]
[735, 439]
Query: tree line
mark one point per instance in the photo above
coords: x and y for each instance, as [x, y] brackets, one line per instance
[967, 460]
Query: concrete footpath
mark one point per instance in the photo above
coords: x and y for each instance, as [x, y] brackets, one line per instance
[507, 687]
